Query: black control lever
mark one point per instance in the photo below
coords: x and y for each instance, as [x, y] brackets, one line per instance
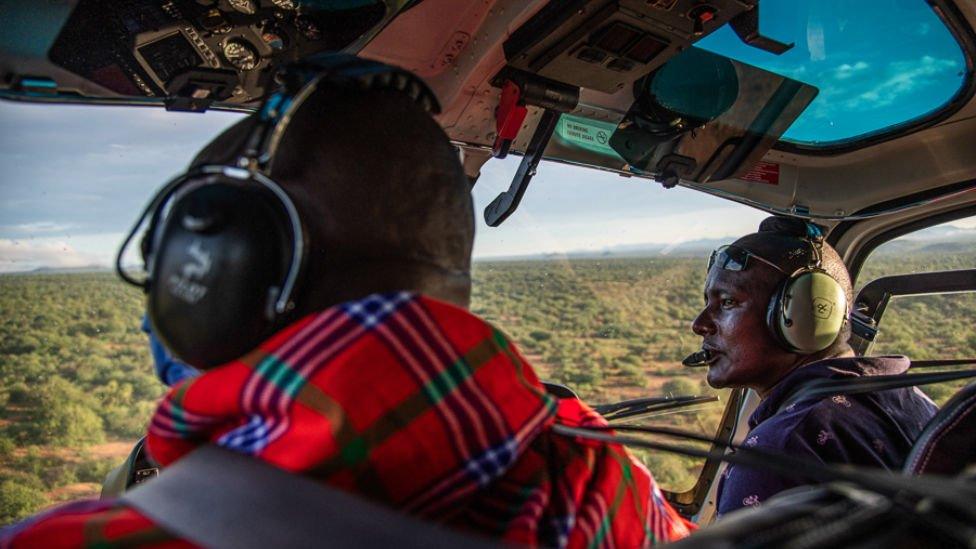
[505, 204]
[746, 26]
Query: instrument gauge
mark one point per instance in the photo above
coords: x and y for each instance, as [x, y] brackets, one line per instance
[284, 4]
[274, 38]
[241, 54]
[243, 6]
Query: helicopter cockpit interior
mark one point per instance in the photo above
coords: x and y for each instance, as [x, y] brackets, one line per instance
[746, 101]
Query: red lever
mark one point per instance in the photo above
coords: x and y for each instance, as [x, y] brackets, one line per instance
[508, 118]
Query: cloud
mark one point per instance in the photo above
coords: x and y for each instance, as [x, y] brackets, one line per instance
[90, 169]
[968, 223]
[23, 255]
[903, 78]
[58, 252]
[863, 95]
[847, 70]
[36, 228]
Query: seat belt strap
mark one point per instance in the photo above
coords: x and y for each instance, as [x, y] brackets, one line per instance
[869, 384]
[218, 498]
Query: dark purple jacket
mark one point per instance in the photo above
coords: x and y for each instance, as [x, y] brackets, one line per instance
[872, 429]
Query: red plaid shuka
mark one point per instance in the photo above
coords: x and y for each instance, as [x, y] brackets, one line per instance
[407, 401]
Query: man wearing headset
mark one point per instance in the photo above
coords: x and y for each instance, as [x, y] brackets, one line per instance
[775, 319]
[364, 371]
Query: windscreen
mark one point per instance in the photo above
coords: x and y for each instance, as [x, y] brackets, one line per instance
[596, 280]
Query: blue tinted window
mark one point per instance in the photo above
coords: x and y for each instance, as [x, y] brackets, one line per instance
[877, 63]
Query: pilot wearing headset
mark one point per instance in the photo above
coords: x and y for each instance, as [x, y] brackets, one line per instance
[315, 264]
[775, 318]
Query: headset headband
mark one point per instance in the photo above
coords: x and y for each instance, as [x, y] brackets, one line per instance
[300, 80]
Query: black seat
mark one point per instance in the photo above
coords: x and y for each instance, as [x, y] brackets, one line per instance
[948, 443]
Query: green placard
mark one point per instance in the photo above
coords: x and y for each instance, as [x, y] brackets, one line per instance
[591, 135]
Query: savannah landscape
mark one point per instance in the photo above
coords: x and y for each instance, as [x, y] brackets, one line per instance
[77, 386]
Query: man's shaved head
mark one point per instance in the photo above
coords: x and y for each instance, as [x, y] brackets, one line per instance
[381, 191]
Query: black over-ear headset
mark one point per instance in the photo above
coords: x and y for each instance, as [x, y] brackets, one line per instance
[225, 246]
[809, 308]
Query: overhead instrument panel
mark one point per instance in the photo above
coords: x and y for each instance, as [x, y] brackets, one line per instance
[606, 45]
[195, 52]
[643, 49]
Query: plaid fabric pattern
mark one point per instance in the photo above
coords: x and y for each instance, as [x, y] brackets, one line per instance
[411, 402]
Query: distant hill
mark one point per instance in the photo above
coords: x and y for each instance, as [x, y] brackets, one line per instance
[939, 239]
[62, 270]
[85, 269]
[943, 232]
[691, 248]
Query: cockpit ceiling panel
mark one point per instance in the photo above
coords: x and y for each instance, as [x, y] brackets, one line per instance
[607, 45]
[222, 51]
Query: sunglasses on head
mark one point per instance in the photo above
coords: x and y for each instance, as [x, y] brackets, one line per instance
[734, 258]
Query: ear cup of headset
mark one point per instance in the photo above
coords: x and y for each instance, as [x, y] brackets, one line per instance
[216, 268]
[225, 248]
[807, 312]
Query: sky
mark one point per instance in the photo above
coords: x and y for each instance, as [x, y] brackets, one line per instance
[73, 179]
[875, 62]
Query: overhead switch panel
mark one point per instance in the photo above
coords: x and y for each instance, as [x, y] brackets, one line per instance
[607, 45]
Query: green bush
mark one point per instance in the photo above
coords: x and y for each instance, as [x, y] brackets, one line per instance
[18, 500]
[7, 447]
[607, 328]
[680, 386]
[18, 393]
[94, 470]
[59, 413]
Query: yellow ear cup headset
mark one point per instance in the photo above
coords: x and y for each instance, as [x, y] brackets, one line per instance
[809, 308]
[225, 246]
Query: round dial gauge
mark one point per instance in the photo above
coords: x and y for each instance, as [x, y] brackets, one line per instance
[284, 4]
[243, 6]
[241, 54]
[274, 38]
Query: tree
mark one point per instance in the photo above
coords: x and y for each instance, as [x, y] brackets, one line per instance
[680, 386]
[18, 500]
[60, 413]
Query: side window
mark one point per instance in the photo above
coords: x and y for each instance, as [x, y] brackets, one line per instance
[77, 387]
[934, 326]
[597, 278]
